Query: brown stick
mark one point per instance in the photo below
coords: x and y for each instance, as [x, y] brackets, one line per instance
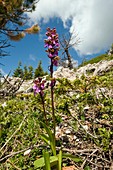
[13, 165]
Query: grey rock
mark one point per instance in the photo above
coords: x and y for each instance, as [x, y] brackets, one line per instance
[88, 70]
[68, 131]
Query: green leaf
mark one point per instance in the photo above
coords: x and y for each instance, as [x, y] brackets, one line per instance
[53, 160]
[51, 138]
[60, 160]
[87, 168]
[47, 160]
[45, 138]
[41, 163]
[74, 158]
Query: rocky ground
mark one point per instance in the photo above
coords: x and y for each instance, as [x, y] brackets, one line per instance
[84, 114]
[19, 86]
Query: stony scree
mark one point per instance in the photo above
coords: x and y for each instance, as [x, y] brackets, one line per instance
[96, 69]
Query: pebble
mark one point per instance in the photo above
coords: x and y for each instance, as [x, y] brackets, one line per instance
[68, 131]
[27, 152]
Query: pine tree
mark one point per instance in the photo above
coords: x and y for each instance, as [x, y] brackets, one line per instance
[39, 72]
[12, 20]
[30, 72]
[25, 72]
[18, 72]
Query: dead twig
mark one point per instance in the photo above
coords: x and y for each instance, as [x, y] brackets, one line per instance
[13, 154]
[78, 151]
[82, 166]
[13, 165]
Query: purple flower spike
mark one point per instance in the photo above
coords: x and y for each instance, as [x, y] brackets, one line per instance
[52, 43]
[46, 45]
[50, 55]
[55, 62]
[36, 89]
[39, 86]
[49, 38]
[50, 46]
[53, 82]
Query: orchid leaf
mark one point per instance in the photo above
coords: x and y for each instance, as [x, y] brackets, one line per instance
[72, 157]
[50, 138]
[47, 160]
[45, 138]
[60, 160]
[41, 163]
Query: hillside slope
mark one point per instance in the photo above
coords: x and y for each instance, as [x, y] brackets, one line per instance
[84, 118]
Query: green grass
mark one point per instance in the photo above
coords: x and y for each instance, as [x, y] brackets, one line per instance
[97, 59]
[98, 117]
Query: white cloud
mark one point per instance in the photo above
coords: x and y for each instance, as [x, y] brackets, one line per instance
[92, 20]
[32, 57]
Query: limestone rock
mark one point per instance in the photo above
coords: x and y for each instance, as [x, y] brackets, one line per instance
[95, 69]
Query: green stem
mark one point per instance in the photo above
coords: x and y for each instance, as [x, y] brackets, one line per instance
[43, 104]
[52, 99]
[47, 160]
[53, 113]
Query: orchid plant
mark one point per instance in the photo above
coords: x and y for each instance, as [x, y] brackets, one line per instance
[52, 45]
[47, 161]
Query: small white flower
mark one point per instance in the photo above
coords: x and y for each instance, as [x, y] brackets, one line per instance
[4, 104]
[27, 152]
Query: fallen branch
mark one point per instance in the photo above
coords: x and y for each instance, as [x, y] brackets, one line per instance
[78, 151]
[83, 164]
[13, 154]
[14, 166]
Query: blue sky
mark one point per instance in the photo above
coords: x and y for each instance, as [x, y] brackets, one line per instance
[30, 50]
[91, 21]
